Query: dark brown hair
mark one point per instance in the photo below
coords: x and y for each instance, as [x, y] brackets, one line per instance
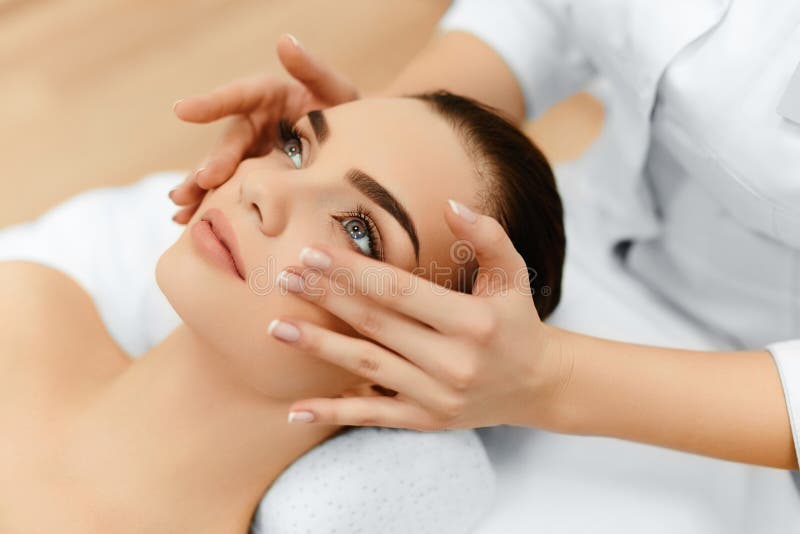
[518, 189]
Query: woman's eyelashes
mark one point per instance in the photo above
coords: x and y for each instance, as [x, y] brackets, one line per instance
[362, 233]
[291, 142]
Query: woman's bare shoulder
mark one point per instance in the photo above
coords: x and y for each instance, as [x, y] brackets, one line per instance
[46, 317]
[38, 302]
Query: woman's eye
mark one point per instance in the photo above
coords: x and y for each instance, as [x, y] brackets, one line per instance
[359, 232]
[294, 149]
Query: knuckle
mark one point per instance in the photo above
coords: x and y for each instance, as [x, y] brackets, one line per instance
[462, 377]
[230, 155]
[363, 416]
[331, 414]
[495, 235]
[367, 362]
[518, 259]
[483, 328]
[315, 292]
[265, 81]
[392, 285]
[369, 322]
[451, 408]
[431, 424]
[312, 341]
[364, 420]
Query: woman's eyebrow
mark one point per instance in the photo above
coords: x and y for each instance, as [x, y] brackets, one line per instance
[319, 124]
[383, 198]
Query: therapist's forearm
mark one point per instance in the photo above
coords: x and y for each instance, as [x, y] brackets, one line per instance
[727, 405]
[462, 64]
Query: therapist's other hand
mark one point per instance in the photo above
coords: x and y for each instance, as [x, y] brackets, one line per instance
[255, 105]
[450, 359]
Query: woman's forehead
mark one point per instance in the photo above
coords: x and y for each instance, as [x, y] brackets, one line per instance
[399, 140]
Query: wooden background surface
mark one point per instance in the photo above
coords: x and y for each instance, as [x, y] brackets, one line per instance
[86, 86]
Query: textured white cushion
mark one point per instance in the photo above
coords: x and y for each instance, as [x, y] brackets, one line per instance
[364, 480]
[382, 480]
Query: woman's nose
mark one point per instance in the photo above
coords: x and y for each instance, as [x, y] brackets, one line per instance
[269, 200]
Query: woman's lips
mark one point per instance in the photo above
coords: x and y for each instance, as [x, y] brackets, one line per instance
[214, 237]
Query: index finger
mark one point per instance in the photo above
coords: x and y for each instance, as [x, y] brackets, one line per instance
[434, 304]
[238, 97]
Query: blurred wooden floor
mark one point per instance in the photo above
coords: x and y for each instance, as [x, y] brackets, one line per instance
[87, 85]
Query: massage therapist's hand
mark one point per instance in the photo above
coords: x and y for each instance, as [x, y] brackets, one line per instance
[256, 104]
[455, 360]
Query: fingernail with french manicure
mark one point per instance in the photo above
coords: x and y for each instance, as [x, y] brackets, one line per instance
[300, 417]
[462, 211]
[294, 40]
[290, 281]
[312, 257]
[175, 104]
[283, 330]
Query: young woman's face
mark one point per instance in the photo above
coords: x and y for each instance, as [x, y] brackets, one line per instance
[346, 181]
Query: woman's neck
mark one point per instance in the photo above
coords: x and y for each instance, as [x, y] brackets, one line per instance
[178, 443]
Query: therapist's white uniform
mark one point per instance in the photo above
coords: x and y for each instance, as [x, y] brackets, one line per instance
[699, 183]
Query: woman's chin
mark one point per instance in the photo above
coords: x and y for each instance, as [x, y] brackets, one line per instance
[185, 282]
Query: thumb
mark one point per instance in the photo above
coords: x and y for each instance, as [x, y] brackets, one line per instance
[325, 83]
[484, 238]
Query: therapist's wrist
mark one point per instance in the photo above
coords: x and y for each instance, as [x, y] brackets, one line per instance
[549, 380]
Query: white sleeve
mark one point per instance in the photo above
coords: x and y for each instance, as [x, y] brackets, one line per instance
[533, 38]
[787, 358]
